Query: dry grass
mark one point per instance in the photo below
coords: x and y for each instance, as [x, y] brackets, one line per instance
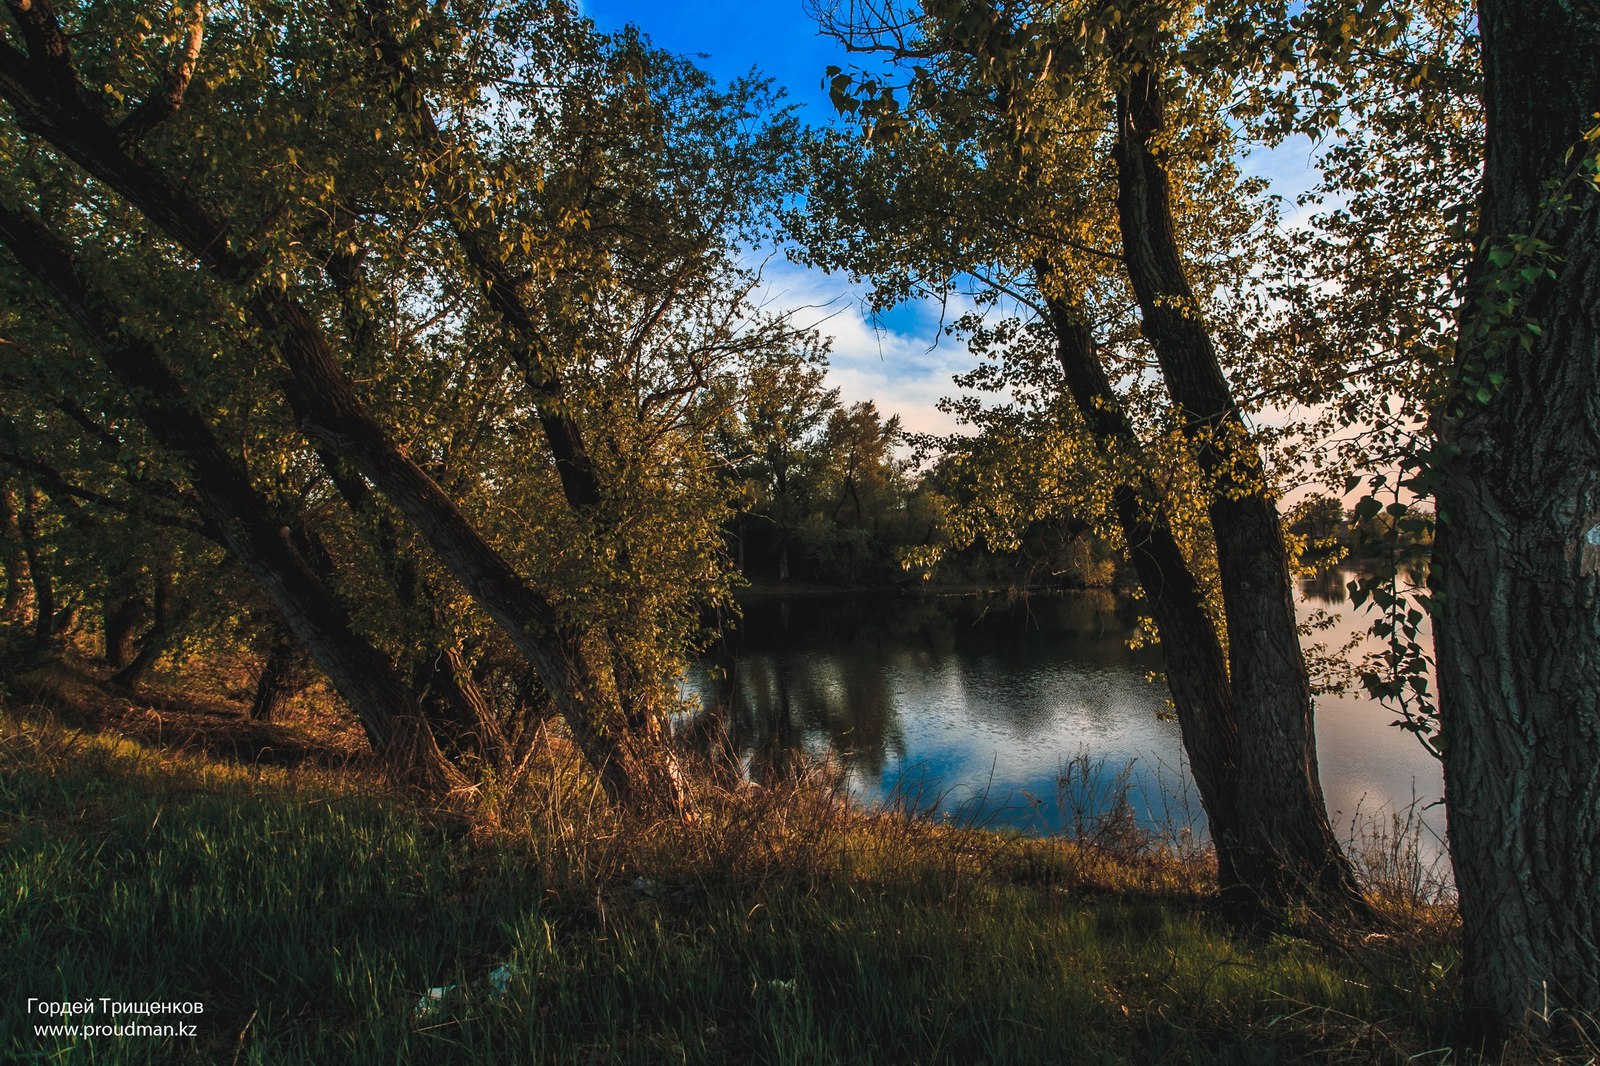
[313, 904]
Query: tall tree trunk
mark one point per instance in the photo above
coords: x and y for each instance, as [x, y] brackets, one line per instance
[506, 291]
[1197, 671]
[1287, 849]
[1517, 557]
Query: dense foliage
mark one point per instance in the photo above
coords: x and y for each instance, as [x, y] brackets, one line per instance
[412, 345]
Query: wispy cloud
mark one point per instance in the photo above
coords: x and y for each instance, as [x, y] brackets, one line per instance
[904, 362]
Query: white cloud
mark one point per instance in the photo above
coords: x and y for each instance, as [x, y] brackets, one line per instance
[905, 362]
[904, 368]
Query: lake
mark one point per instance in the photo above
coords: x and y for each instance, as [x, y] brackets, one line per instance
[988, 709]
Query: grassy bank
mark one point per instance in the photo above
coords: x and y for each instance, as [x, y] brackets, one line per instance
[309, 910]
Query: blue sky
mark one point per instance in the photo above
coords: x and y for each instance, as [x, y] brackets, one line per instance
[729, 38]
[899, 360]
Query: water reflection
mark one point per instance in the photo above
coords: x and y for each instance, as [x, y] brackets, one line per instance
[1370, 768]
[977, 707]
[1326, 586]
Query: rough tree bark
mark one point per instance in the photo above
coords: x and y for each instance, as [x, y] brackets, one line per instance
[1517, 557]
[1285, 848]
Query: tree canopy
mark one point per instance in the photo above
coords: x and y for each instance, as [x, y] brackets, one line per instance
[418, 343]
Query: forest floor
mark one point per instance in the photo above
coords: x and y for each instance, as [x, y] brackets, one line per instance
[162, 849]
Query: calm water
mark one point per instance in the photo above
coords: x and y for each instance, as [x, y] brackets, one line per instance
[977, 708]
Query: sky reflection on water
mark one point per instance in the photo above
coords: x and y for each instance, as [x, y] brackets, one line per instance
[976, 707]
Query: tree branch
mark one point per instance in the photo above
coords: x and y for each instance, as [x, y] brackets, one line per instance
[48, 62]
[164, 102]
[57, 485]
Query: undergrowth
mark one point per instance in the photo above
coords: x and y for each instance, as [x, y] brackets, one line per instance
[321, 917]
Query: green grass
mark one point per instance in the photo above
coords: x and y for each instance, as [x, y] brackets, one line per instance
[308, 912]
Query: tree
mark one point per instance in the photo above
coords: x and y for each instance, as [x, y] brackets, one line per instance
[1517, 557]
[1013, 98]
[118, 520]
[825, 498]
[364, 675]
[1452, 278]
[861, 493]
[773, 415]
[530, 252]
[1320, 521]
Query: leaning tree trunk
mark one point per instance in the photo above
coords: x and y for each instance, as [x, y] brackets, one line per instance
[1287, 850]
[640, 727]
[1197, 670]
[1517, 560]
[361, 673]
[44, 90]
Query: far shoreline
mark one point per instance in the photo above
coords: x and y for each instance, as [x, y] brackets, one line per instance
[766, 591]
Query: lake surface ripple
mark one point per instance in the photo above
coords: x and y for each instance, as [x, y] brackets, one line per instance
[987, 710]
